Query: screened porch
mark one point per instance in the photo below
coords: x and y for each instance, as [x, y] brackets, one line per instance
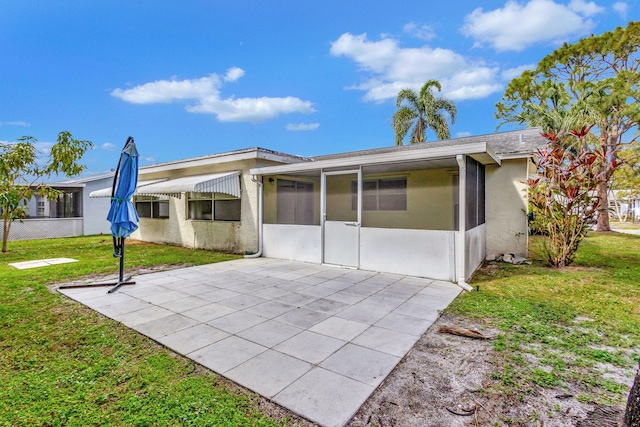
[396, 217]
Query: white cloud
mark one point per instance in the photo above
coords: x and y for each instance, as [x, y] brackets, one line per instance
[391, 67]
[585, 8]
[108, 146]
[16, 123]
[463, 134]
[517, 26]
[165, 91]
[621, 9]
[512, 73]
[205, 92]
[296, 127]
[423, 32]
[233, 74]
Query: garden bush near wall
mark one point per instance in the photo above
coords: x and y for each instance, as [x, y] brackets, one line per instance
[562, 197]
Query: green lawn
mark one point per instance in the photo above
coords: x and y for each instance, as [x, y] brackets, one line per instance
[63, 364]
[562, 329]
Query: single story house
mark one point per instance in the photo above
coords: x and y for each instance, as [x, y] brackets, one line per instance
[73, 213]
[433, 210]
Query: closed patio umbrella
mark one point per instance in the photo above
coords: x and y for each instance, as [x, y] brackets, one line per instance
[122, 213]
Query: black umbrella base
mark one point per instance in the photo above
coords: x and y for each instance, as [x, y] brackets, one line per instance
[115, 285]
[119, 253]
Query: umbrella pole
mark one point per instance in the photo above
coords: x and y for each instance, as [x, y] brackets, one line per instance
[121, 279]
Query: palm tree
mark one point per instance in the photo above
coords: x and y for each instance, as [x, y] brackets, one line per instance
[424, 111]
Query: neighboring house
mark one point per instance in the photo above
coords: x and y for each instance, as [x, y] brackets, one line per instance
[433, 209]
[73, 213]
[624, 205]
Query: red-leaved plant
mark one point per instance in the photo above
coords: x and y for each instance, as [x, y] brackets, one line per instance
[563, 195]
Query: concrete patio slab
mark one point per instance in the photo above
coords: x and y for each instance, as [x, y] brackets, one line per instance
[313, 338]
[24, 265]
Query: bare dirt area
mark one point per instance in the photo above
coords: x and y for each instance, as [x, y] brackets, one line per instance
[446, 381]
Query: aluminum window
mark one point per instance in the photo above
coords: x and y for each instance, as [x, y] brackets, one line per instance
[294, 202]
[381, 195]
[152, 207]
[213, 207]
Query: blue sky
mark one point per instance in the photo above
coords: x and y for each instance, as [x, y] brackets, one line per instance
[192, 78]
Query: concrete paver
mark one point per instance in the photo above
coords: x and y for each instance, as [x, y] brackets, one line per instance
[269, 372]
[316, 339]
[310, 347]
[361, 364]
[194, 338]
[325, 397]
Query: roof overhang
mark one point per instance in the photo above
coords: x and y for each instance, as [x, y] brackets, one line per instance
[250, 154]
[480, 151]
[106, 192]
[227, 183]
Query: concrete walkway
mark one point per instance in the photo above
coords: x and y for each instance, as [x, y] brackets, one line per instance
[315, 339]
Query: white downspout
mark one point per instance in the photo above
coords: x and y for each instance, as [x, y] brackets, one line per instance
[259, 253]
[461, 248]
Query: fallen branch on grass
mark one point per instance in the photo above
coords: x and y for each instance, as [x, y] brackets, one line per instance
[469, 333]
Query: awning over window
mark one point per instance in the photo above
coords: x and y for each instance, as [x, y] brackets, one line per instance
[106, 192]
[227, 183]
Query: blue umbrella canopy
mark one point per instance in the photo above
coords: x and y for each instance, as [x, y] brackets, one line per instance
[122, 214]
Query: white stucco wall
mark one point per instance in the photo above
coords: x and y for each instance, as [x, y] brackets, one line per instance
[293, 242]
[506, 208]
[95, 210]
[227, 236]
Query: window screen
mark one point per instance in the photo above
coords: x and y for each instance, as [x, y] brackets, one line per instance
[294, 202]
[381, 195]
[474, 194]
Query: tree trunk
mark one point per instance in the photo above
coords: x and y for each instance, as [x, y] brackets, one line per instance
[602, 223]
[5, 234]
[632, 414]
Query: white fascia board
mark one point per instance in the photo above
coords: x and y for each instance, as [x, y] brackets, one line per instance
[381, 158]
[64, 185]
[513, 156]
[222, 158]
[90, 178]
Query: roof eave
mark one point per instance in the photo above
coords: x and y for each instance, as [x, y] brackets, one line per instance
[248, 154]
[480, 151]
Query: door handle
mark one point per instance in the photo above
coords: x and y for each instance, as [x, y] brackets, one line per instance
[352, 224]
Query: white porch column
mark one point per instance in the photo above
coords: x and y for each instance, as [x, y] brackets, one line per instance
[461, 246]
